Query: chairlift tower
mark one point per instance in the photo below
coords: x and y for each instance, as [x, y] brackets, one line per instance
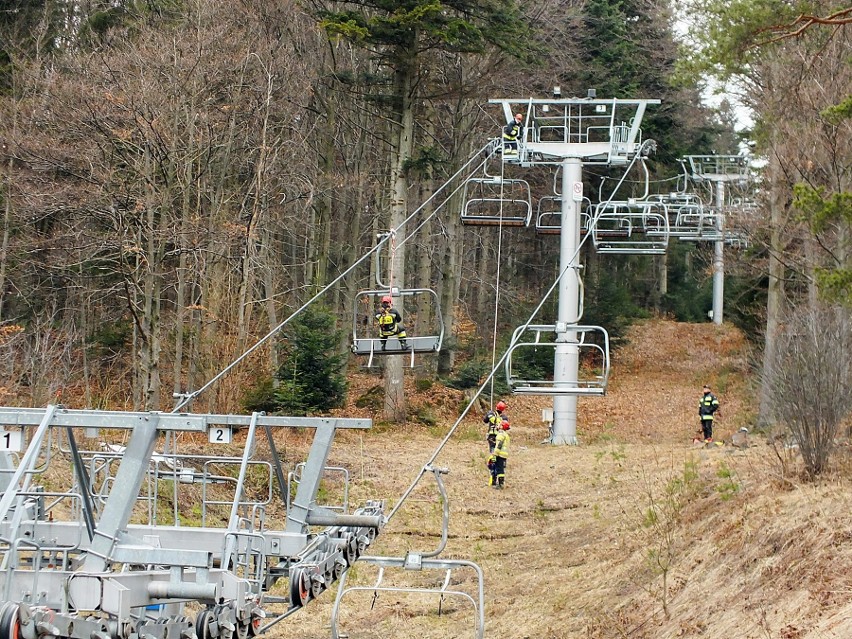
[571, 132]
[719, 170]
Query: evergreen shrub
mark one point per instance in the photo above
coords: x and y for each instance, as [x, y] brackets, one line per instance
[311, 376]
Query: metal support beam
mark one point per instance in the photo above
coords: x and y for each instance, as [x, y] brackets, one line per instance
[719, 256]
[566, 361]
[122, 498]
[306, 493]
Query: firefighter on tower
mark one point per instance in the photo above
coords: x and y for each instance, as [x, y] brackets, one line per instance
[511, 132]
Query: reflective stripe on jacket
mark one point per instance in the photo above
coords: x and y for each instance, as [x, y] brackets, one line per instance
[511, 131]
[389, 322]
[708, 405]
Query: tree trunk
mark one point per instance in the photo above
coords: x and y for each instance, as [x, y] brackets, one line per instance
[4, 242]
[182, 244]
[149, 357]
[321, 246]
[395, 409]
[662, 266]
[425, 303]
[775, 287]
[450, 280]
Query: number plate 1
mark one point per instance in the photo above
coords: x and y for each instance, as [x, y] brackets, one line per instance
[11, 440]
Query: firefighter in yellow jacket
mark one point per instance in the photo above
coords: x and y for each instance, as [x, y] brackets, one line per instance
[511, 132]
[390, 324]
[493, 419]
[500, 457]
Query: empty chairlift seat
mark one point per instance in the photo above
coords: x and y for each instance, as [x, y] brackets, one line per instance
[531, 343]
[410, 303]
[548, 218]
[493, 201]
[697, 223]
[421, 577]
[632, 227]
[689, 219]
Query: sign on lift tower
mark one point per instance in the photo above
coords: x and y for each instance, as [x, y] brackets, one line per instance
[571, 132]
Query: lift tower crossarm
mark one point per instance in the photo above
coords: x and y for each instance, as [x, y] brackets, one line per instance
[594, 131]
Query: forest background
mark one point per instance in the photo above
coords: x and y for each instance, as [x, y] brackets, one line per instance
[178, 177]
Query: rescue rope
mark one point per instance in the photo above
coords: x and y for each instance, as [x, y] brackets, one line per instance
[392, 261]
[497, 276]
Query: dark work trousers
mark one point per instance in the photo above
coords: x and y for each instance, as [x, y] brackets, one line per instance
[707, 428]
[498, 473]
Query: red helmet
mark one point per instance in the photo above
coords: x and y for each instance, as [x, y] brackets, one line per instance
[506, 425]
[501, 406]
[387, 299]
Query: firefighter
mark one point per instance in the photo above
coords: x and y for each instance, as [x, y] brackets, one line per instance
[493, 419]
[390, 323]
[708, 406]
[511, 132]
[500, 456]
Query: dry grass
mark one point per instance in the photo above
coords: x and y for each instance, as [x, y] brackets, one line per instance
[579, 542]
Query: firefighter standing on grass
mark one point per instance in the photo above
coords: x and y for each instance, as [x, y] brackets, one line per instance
[708, 405]
[493, 419]
[500, 457]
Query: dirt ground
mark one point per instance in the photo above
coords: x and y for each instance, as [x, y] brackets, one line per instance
[635, 532]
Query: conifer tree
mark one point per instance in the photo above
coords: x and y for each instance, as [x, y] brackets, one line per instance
[311, 374]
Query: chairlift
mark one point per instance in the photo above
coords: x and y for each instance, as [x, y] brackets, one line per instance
[632, 227]
[424, 563]
[736, 239]
[696, 223]
[592, 344]
[689, 219]
[365, 338]
[548, 218]
[495, 200]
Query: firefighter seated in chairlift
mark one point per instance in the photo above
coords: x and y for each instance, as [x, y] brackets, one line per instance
[390, 324]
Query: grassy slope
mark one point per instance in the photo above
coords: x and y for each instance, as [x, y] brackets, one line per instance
[634, 533]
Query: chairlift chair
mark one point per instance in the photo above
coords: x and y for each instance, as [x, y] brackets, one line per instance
[424, 563]
[696, 223]
[632, 227]
[548, 218]
[495, 201]
[592, 343]
[365, 338]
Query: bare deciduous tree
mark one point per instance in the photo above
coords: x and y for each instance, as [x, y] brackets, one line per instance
[810, 380]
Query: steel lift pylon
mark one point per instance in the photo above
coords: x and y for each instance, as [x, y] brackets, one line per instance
[568, 133]
[719, 170]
